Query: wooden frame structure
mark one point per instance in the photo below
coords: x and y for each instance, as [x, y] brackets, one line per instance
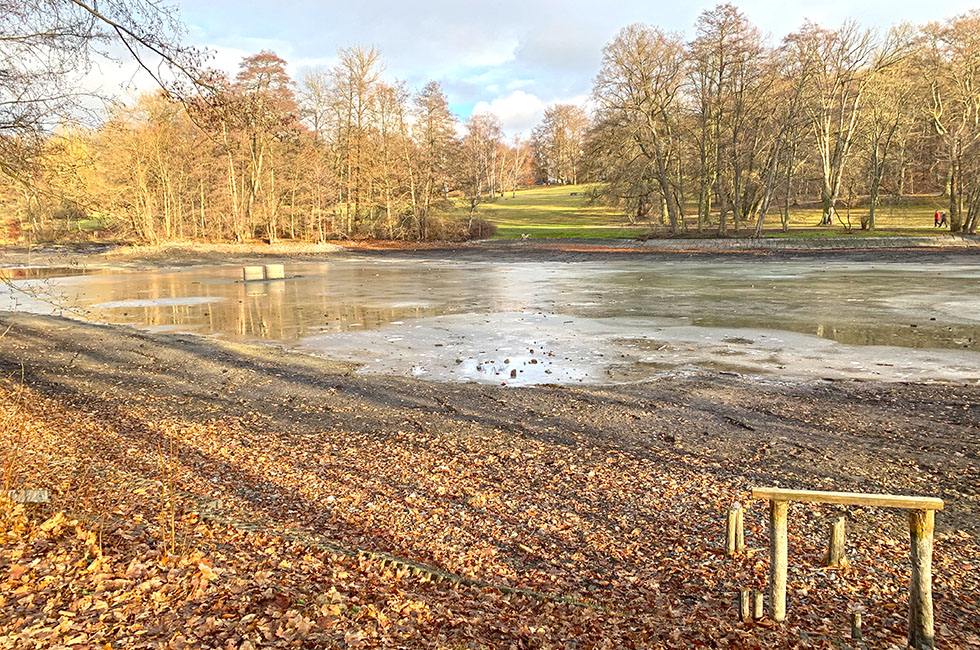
[921, 526]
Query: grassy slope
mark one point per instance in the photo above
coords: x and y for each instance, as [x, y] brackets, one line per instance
[554, 212]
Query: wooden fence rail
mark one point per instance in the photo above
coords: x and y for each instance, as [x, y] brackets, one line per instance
[921, 527]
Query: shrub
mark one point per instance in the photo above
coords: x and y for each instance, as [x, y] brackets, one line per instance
[481, 229]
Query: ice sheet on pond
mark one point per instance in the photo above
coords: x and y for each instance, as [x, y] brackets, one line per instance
[602, 321]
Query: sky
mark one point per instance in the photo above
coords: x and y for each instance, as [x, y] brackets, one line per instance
[511, 57]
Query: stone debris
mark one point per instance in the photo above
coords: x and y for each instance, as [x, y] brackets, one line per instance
[29, 496]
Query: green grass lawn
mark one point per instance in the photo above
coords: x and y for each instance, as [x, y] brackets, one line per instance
[553, 212]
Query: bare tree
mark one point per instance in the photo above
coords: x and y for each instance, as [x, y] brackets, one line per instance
[638, 93]
[952, 59]
[889, 97]
[519, 162]
[314, 98]
[845, 62]
[558, 143]
[481, 149]
[435, 154]
[353, 85]
[47, 46]
[727, 85]
[781, 132]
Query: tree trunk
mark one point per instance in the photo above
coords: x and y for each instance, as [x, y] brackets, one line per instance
[828, 201]
[956, 192]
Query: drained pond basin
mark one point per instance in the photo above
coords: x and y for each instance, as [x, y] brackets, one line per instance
[522, 323]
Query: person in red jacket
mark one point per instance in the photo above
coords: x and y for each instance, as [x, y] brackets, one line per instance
[937, 219]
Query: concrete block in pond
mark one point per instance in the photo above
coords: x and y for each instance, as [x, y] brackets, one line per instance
[250, 273]
[274, 272]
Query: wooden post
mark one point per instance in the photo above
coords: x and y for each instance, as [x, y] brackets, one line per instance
[921, 632]
[778, 511]
[744, 611]
[856, 626]
[836, 555]
[740, 529]
[732, 529]
[758, 606]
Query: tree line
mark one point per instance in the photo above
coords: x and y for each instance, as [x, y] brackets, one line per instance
[725, 131]
[339, 153]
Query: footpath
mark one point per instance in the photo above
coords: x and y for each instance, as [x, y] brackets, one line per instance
[808, 243]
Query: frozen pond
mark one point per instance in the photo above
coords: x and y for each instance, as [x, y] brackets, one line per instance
[555, 322]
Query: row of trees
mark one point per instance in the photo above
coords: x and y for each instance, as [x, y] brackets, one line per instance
[719, 131]
[342, 153]
[736, 128]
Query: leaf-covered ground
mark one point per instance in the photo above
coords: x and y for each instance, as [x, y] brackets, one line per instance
[206, 495]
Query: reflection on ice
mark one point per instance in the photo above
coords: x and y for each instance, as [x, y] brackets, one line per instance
[158, 302]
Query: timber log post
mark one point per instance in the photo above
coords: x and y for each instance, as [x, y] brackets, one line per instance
[836, 555]
[778, 511]
[921, 527]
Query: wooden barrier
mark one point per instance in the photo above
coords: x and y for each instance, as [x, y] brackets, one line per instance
[921, 526]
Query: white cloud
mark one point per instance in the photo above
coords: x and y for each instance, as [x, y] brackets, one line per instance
[484, 53]
[114, 77]
[520, 111]
[563, 47]
[227, 59]
[546, 49]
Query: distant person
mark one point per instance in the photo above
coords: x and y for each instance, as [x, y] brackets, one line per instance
[937, 219]
[942, 220]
